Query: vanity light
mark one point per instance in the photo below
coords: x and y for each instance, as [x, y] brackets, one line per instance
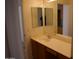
[51, 0]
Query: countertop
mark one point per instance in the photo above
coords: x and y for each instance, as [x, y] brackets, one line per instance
[58, 45]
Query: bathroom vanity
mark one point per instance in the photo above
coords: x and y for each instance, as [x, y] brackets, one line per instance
[47, 43]
[43, 25]
[44, 47]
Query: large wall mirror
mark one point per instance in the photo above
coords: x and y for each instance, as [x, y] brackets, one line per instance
[64, 19]
[60, 16]
[37, 18]
[48, 13]
[54, 13]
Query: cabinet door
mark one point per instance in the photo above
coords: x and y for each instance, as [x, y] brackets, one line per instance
[60, 56]
[34, 50]
[51, 54]
[38, 50]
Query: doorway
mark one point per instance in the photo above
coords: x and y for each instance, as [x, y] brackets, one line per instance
[60, 18]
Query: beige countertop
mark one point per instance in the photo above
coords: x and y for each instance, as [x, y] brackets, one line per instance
[58, 45]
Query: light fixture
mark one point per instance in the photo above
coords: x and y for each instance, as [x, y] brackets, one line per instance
[51, 0]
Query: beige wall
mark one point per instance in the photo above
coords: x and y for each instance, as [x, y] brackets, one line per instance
[61, 1]
[64, 1]
[27, 22]
[71, 18]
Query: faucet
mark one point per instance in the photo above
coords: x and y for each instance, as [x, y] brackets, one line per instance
[49, 36]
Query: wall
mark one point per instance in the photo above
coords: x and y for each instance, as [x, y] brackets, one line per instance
[61, 1]
[27, 22]
[71, 18]
[64, 1]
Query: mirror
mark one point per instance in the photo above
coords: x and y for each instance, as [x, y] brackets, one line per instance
[48, 16]
[65, 19]
[60, 18]
[59, 14]
[37, 18]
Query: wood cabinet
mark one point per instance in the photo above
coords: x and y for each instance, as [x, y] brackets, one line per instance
[40, 51]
